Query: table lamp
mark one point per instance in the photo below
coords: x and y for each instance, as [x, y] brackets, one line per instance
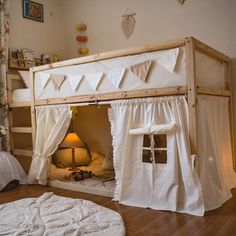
[72, 141]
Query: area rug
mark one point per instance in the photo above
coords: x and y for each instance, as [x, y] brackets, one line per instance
[52, 215]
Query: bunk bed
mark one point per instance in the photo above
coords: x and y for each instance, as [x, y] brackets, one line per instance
[184, 79]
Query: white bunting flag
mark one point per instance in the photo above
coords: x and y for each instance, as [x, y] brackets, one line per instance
[74, 81]
[57, 81]
[142, 69]
[94, 79]
[44, 78]
[116, 76]
[169, 60]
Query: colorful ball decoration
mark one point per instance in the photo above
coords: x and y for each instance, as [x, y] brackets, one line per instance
[83, 51]
[82, 38]
[81, 27]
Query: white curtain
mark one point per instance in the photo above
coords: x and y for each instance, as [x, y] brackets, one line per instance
[172, 186]
[216, 168]
[4, 33]
[52, 123]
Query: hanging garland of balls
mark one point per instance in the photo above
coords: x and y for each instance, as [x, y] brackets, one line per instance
[82, 39]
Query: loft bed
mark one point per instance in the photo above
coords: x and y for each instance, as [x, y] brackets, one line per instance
[185, 70]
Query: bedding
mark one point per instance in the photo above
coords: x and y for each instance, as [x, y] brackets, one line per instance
[21, 95]
[10, 169]
[52, 215]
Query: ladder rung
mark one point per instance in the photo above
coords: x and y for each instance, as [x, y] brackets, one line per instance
[22, 152]
[21, 129]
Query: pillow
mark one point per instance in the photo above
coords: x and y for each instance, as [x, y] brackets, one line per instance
[62, 158]
[108, 160]
[25, 75]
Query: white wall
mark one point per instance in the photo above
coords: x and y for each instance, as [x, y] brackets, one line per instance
[26, 33]
[211, 21]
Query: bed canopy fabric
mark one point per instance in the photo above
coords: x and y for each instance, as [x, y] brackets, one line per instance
[52, 123]
[172, 186]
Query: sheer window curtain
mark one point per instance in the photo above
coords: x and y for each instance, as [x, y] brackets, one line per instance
[52, 123]
[216, 167]
[172, 186]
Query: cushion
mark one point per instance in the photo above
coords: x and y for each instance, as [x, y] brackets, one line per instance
[108, 160]
[63, 157]
[25, 75]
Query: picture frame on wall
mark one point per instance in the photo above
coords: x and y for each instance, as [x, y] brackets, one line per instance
[33, 10]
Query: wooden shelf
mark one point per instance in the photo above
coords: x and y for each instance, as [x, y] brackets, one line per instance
[22, 152]
[21, 130]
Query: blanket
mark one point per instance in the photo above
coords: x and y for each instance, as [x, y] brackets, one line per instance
[52, 215]
[10, 169]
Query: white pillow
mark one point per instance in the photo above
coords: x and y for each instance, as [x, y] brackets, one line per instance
[25, 75]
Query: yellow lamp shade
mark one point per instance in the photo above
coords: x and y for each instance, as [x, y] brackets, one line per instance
[71, 140]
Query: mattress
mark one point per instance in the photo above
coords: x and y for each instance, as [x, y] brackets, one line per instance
[101, 183]
[21, 95]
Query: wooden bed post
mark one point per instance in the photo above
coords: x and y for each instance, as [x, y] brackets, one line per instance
[192, 95]
[32, 108]
[228, 86]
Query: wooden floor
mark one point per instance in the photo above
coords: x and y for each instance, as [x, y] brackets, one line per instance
[147, 222]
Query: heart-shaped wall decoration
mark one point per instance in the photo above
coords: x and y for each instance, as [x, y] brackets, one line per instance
[181, 1]
[128, 23]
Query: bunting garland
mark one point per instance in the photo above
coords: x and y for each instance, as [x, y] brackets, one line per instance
[57, 81]
[116, 76]
[142, 69]
[169, 60]
[74, 81]
[44, 78]
[94, 80]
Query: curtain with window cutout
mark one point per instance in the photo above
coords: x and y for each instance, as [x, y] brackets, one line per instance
[152, 158]
[52, 123]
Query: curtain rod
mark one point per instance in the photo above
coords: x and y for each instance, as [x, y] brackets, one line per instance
[96, 103]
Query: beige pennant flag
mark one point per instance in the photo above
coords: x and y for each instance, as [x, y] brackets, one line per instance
[57, 81]
[142, 69]
[94, 79]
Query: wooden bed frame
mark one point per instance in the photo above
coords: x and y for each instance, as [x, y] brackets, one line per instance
[192, 89]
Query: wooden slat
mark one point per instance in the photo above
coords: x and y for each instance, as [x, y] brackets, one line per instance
[32, 107]
[13, 77]
[22, 152]
[204, 48]
[113, 54]
[214, 91]
[192, 94]
[116, 95]
[21, 129]
[20, 104]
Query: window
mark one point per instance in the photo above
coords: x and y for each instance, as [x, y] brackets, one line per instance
[154, 149]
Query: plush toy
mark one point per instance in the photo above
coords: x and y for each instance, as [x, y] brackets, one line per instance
[55, 58]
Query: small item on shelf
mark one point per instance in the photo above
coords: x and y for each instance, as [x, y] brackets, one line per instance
[55, 58]
[46, 58]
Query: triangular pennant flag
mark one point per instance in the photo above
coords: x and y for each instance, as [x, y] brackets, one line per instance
[142, 69]
[116, 76]
[74, 81]
[57, 81]
[44, 78]
[169, 60]
[94, 79]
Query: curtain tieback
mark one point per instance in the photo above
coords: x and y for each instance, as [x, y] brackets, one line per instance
[39, 155]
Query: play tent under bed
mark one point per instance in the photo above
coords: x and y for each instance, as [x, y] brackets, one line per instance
[170, 117]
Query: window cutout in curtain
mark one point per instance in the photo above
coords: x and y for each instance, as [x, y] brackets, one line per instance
[154, 149]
